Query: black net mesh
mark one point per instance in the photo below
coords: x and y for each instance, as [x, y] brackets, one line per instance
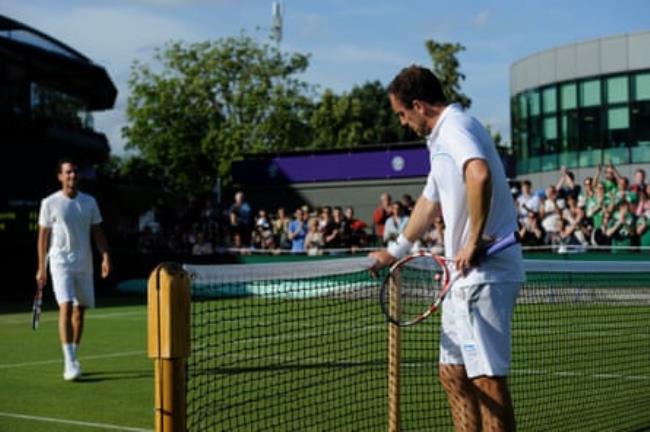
[307, 351]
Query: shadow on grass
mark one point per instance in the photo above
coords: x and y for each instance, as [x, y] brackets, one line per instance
[94, 377]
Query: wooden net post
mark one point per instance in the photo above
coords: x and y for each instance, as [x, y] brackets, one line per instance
[168, 325]
[394, 340]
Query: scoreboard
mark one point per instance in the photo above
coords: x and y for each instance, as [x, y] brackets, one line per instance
[18, 220]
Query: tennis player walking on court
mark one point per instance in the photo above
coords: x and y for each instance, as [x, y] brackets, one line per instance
[467, 184]
[66, 220]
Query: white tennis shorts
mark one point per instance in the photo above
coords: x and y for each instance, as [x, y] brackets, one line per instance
[476, 328]
[75, 287]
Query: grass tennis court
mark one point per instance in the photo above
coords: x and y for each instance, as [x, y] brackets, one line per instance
[116, 391]
[581, 363]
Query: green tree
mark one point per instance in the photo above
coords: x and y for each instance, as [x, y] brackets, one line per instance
[202, 105]
[361, 116]
[379, 123]
[446, 67]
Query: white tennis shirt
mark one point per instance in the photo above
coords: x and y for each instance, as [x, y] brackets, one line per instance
[70, 220]
[456, 139]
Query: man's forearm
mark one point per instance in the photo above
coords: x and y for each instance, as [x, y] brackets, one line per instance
[479, 197]
[42, 245]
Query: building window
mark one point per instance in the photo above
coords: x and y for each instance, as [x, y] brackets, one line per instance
[569, 97]
[641, 87]
[640, 118]
[618, 130]
[590, 93]
[523, 106]
[569, 131]
[549, 100]
[590, 126]
[617, 90]
[534, 103]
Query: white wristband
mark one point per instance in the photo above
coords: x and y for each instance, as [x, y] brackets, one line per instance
[401, 247]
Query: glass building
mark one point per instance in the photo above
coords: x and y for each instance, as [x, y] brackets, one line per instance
[582, 105]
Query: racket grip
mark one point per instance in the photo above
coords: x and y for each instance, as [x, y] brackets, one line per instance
[502, 243]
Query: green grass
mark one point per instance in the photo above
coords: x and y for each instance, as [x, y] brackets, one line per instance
[117, 385]
[580, 364]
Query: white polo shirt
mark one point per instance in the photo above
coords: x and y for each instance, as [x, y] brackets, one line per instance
[456, 139]
[70, 220]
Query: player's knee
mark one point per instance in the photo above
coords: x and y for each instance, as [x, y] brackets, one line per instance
[452, 378]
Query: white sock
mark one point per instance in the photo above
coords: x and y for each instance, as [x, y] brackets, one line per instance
[68, 352]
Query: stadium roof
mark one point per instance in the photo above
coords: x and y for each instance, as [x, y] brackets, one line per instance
[52, 62]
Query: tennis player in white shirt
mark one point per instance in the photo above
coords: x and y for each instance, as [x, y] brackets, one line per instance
[467, 184]
[67, 218]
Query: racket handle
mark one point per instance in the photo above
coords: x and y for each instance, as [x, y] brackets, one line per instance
[502, 243]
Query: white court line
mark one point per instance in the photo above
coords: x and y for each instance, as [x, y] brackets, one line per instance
[42, 362]
[74, 422]
[27, 318]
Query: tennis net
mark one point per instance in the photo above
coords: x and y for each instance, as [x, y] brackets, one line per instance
[304, 347]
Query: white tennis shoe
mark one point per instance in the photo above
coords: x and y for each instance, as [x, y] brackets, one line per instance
[71, 371]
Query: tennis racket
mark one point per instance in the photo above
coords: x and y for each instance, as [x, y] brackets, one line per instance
[36, 308]
[416, 284]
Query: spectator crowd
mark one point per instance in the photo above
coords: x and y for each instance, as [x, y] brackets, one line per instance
[605, 210]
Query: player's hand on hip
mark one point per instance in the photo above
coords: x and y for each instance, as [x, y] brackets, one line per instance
[466, 258]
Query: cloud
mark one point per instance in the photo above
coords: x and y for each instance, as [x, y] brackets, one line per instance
[481, 20]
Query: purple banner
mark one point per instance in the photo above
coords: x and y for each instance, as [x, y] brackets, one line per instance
[360, 165]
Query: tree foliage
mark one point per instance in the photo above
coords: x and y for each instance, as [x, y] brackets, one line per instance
[205, 104]
[446, 68]
[197, 107]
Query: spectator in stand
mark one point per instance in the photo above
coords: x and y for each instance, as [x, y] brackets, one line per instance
[610, 179]
[531, 231]
[358, 234]
[408, 204]
[551, 213]
[281, 229]
[597, 205]
[337, 234]
[527, 201]
[624, 194]
[566, 185]
[236, 230]
[314, 239]
[381, 213]
[587, 192]
[643, 231]
[244, 216]
[639, 181]
[395, 223]
[325, 220]
[202, 245]
[599, 235]
[435, 238]
[263, 233]
[643, 208]
[622, 227]
[572, 231]
[298, 231]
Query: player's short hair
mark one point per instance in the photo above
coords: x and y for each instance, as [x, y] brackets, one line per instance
[63, 161]
[416, 83]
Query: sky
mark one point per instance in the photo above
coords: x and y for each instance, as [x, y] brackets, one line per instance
[349, 42]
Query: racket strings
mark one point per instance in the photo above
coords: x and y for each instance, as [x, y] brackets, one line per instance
[416, 285]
